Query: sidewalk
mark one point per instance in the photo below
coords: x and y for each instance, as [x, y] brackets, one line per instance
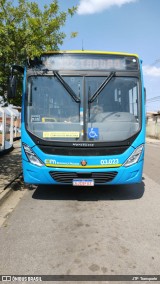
[152, 141]
[10, 168]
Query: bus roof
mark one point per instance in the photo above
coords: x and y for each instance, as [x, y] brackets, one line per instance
[89, 52]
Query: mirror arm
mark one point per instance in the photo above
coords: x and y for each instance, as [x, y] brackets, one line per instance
[18, 68]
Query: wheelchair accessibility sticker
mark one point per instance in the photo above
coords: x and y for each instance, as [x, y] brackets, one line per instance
[93, 133]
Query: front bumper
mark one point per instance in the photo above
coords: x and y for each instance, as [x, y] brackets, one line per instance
[41, 175]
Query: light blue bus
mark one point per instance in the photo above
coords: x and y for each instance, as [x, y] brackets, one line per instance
[83, 118]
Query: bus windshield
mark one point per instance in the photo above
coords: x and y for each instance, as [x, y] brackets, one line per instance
[98, 110]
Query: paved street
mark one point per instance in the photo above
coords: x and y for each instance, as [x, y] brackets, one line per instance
[105, 230]
[152, 162]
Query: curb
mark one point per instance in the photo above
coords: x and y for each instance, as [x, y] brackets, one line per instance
[5, 194]
[9, 188]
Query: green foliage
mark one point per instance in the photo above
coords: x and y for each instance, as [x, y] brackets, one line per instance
[26, 31]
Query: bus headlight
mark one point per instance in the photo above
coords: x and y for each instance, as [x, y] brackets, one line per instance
[32, 158]
[134, 158]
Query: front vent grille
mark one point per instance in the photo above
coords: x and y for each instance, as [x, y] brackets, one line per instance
[95, 151]
[67, 177]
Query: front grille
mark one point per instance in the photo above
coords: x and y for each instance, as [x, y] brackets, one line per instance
[99, 177]
[95, 151]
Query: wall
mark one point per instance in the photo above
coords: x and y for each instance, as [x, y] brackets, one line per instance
[153, 127]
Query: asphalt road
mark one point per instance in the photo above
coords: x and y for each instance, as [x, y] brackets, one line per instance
[152, 162]
[103, 230]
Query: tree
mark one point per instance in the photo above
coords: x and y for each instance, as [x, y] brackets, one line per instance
[26, 31]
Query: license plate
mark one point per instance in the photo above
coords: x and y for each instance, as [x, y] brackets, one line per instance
[83, 182]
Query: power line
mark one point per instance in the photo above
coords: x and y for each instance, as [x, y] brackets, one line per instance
[156, 62]
[152, 102]
[157, 98]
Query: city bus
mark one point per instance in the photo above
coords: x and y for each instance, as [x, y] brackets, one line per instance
[83, 118]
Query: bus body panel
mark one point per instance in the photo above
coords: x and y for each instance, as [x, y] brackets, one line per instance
[95, 164]
[41, 175]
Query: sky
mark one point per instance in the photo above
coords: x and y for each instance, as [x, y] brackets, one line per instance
[119, 25]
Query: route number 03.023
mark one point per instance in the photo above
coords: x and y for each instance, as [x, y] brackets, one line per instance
[109, 161]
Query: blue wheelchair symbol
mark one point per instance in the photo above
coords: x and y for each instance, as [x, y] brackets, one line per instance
[93, 133]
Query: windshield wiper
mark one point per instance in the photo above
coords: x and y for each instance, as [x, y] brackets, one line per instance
[102, 86]
[67, 87]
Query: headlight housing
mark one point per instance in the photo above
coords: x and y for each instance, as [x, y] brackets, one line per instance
[32, 158]
[134, 158]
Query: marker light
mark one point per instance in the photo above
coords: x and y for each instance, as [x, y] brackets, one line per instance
[134, 158]
[33, 159]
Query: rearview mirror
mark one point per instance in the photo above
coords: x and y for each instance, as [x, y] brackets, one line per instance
[12, 87]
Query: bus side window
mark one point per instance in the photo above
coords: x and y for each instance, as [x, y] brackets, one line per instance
[133, 101]
[117, 100]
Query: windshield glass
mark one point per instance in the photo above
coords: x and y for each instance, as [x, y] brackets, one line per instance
[114, 115]
[53, 114]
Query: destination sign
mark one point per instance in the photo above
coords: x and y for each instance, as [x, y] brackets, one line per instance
[89, 62]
